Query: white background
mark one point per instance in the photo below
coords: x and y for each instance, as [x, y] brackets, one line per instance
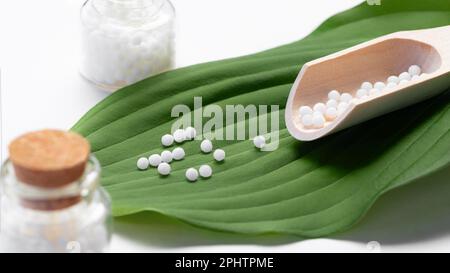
[41, 88]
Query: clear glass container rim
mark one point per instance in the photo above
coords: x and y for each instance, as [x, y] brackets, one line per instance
[142, 3]
[158, 4]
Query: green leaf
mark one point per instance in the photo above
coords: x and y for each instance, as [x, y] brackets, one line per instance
[310, 189]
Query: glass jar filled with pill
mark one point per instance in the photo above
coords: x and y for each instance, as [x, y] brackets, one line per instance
[125, 41]
[50, 196]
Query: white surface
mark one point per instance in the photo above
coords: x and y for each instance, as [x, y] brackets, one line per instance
[41, 88]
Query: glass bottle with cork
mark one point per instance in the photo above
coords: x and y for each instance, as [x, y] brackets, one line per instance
[51, 199]
[124, 41]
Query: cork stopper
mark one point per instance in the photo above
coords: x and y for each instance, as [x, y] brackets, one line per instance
[49, 158]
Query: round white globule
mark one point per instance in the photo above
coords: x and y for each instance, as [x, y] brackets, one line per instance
[361, 93]
[346, 97]
[391, 85]
[305, 110]
[332, 103]
[307, 120]
[320, 107]
[164, 168]
[331, 113]
[205, 171]
[179, 135]
[393, 79]
[334, 95]
[415, 78]
[403, 82]
[142, 163]
[219, 155]
[374, 92]
[136, 39]
[366, 85]
[206, 146]
[379, 85]
[342, 107]
[155, 160]
[192, 174]
[190, 133]
[259, 141]
[318, 120]
[178, 153]
[404, 76]
[166, 156]
[167, 140]
[414, 70]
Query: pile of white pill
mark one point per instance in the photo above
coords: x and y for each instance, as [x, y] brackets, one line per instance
[316, 117]
[116, 51]
[162, 161]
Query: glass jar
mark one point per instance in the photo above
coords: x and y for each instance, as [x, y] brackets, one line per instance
[72, 218]
[124, 41]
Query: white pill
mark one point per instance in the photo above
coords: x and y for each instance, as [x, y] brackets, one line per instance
[166, 156]
[331, 113]
[205, 171]
[404, 76]
[179, 135]
[190, 133]
[305, 110]
[142, 163]
[319, 107]
[342, 107]
[391, 85]
[332, 103]
[403, 82]
[393, 79]
[178, 153]
[167, 140]
[415, 78]
[164, 168]
[307, 120]
[155, 160]
[318, 120]
[260, 141]
[374, 92]
[219, 155]
[334, 95]
[346, 97]
[206, 146]
[191, 174]
[414, 70]
[379, 85]
[366, 85]
[361, 93]
[136, 39]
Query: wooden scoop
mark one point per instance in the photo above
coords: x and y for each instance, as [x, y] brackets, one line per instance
[371, 61]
